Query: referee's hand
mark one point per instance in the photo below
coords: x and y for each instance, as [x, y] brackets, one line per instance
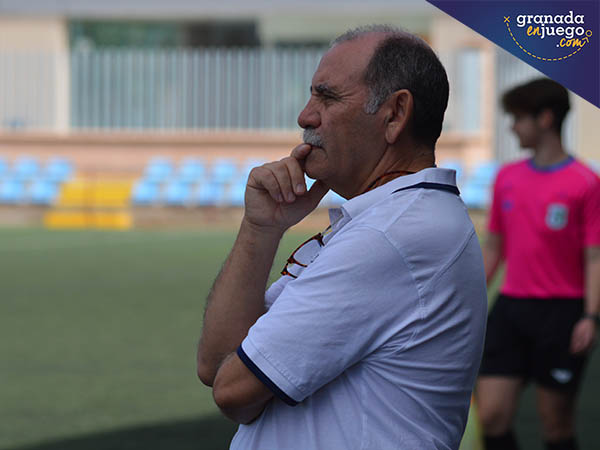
[584, 336]
[276, 196]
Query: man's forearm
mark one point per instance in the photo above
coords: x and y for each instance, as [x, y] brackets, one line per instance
[236, 299]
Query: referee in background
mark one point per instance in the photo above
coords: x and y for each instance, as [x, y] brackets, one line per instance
[545, 223]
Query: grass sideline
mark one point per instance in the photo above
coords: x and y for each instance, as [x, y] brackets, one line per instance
[97, 342]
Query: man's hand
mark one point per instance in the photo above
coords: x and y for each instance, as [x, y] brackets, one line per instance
[584, 336]
[276, 195]
[237, 298]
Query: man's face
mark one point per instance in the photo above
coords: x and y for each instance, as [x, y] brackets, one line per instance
[527, 129]
[347, 142]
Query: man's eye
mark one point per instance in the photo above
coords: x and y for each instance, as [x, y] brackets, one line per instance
[328, 98]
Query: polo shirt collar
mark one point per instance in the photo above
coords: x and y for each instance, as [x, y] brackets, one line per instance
[360, 203]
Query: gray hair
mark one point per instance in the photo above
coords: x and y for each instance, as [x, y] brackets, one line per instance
[404, 61]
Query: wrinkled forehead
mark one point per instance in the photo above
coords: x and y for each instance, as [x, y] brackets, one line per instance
[345, 63]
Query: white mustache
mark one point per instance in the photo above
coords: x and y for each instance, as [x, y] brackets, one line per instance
[311, 137]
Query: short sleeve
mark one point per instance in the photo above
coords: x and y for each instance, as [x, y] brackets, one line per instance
[495, 220]
[591, 215]
[274, 291]
[356, 296]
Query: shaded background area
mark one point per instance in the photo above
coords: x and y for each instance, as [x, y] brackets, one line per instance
[208, 433]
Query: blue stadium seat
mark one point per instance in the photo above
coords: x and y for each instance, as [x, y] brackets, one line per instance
[237, 194]
[158, 170]
[25, 168]
[476, 190]
[191, 170]
[43, 192]
[223, 171]
[12, 191]
[210, 194]
[177, 193]
[484, 173]
[476, 196]
[3, 167]
[145, 193]
[58, 170]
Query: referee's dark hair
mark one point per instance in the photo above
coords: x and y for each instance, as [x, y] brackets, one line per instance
[536, 96]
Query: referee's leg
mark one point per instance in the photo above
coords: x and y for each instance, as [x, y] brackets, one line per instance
[558, 373]
[497, 399]
[557, 414]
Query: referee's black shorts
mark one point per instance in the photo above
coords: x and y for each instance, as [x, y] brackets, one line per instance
[529, 338]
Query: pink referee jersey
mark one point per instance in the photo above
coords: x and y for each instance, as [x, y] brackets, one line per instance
[546, 217]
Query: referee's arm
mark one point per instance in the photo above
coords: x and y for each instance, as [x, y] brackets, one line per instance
[586, 330]
[492, 255]
[592, 280]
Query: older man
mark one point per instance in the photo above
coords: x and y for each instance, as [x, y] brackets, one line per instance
[372, 337]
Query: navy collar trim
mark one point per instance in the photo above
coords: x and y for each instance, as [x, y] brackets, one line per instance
[552, 168]
[437, 186]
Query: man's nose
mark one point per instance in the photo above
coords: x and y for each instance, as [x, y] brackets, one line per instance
[309, 116]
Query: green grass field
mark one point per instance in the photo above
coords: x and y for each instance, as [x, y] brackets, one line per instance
[98, 335]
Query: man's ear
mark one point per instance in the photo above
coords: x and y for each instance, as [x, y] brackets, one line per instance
[545, 119]
[399, 112]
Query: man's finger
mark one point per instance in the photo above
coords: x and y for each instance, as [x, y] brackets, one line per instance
[296, 175]
[281, 174]
[263, 178]
[301, 151]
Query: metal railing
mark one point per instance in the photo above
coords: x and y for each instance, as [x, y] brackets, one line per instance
[170, 90]
[28, 90]
[185, 90]
[190, 89]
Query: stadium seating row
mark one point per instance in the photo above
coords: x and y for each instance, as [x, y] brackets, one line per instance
[192, 182]
[26, 168]
[193, 170]
[27, 181]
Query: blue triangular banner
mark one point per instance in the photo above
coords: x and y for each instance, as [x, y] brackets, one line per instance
[558, 38]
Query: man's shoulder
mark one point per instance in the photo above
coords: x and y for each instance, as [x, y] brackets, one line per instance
[430, 216]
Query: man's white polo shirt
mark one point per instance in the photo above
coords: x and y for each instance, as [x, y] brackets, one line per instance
[377, 343]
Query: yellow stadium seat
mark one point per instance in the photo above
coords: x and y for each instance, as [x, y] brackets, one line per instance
[102, 193]
[98, 203]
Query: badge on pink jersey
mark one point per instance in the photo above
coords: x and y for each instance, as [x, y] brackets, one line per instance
[557, 216]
